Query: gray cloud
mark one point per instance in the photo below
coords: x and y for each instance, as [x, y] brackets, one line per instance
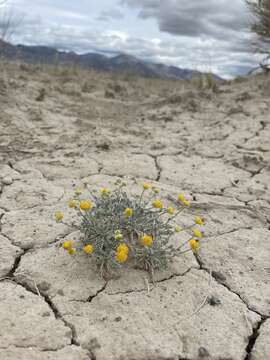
[214, 30]
[207, 38]
[206, 55]
[211, 18]
[110, 14]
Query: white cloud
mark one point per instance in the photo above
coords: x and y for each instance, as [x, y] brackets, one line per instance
[202, 34]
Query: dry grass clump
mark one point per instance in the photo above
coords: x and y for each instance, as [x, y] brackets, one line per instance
[3, 86]
[205, 82]
[41, 95]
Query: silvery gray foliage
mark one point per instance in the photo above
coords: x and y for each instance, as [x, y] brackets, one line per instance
[119, 228]
[100, 225]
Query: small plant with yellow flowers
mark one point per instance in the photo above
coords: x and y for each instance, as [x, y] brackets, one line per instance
[118, 229]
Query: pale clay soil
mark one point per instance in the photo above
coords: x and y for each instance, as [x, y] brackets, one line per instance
[90, 129]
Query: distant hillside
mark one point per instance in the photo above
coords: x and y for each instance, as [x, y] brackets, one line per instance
[120, 63]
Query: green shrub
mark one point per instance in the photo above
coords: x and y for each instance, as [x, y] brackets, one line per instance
[118, 228]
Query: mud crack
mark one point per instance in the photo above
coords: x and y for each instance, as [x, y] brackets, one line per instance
[219, 279]
[92, 297]
[159, 170]
[253, 338]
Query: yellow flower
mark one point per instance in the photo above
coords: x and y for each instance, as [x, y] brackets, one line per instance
[88, 249]
[170, 210]
[86, 205]
[128, 212]
[104, 191]
[157, 204]
[186, 203]
[146, 186]
[72, 203]
[118, 236]
[178, 229]
[122, 253]
[67, 245]
[147, 240]
[59, 216]
[78, 191]
[183, 200]
[156, 190]
[199, 220]
[194, 244]
[197, 233]
[123, 248]
[72, 251]
[121, 256]
[181, 197]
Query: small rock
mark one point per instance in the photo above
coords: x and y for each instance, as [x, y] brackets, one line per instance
[104, 145]
[203, 352]
[245, 95]
[44, 286]
[7, 180]
[213, 301]
[41, 95]
[29, 243]
[109, 94]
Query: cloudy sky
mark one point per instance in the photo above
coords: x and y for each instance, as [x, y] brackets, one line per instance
[208, 35]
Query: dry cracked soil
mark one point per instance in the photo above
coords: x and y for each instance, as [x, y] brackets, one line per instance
[62, 128]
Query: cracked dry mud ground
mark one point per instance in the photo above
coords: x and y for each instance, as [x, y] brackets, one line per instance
[213, 147]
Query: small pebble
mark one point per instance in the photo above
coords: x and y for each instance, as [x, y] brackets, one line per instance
[214, 301]
[7, 180]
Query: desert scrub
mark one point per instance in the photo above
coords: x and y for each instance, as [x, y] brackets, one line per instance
[117, 228]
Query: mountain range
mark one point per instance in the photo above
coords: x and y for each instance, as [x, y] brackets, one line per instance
[121, 63]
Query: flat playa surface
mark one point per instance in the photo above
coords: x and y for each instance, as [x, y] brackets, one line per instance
[59, 130]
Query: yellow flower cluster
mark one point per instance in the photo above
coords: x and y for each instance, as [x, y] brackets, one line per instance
[194, 244]
[199, 220]
[178, 229]
[104, 191]
[78, 191]
[147, 240]
[128, 212]
[86, 205]
[118, 235]
[68, 246]
[183, 200]
[197, 233]
[122, 253]
[88, 249]
[72, 203]
[158, 204]
[146, 186]
[170, 210]
[59, 216]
